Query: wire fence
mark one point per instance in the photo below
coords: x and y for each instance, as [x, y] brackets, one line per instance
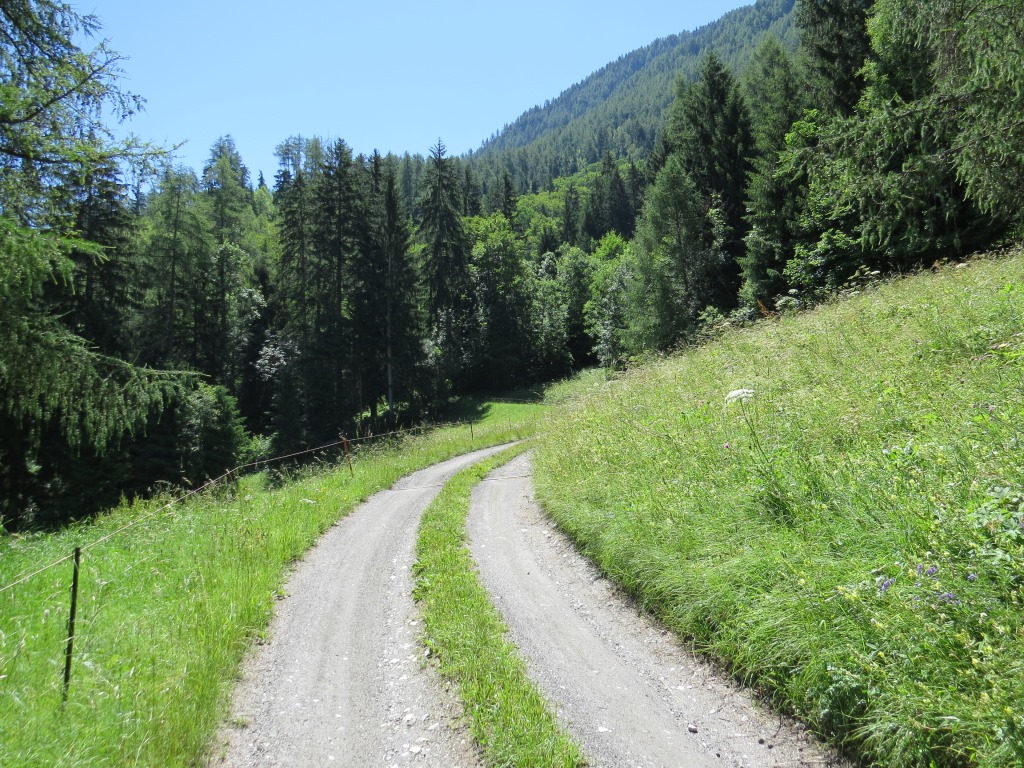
[227, 478]
[342, 442]
[347, 444]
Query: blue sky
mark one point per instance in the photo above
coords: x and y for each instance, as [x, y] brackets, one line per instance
[391, 75]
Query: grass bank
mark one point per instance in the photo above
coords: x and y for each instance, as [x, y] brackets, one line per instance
[507, 715]
[832, 504]
[167, 609]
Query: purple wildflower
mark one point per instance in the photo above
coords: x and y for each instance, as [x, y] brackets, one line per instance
[885, 585]
[932, 571]
[972, 577]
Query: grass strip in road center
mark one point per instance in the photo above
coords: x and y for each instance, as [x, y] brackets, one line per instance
[508, 716]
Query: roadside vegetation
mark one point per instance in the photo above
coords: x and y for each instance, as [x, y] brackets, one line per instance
[168, 608]
[507, 715]
[832, 505]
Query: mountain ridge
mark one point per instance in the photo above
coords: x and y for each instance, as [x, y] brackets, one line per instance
[621, 106]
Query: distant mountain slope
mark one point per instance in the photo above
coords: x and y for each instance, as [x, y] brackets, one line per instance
[622, 106]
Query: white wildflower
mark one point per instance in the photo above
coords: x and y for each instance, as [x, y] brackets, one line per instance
[739, 395]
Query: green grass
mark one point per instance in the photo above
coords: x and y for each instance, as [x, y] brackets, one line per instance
[850, 539]
[168, 608]
[507, 715]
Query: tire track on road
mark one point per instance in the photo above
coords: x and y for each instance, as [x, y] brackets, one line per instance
[623, 686]
[341, 679]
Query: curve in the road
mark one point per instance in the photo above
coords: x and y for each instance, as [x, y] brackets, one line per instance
[341, 680]
[626, 690]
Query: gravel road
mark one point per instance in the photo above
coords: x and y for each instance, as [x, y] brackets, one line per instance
[342, 679]
[626, 690]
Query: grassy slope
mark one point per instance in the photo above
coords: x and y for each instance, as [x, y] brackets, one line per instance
[850, 537]
[168, 608]
[507, 715]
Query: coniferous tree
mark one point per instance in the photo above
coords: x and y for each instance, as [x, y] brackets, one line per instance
[909, 177]
[507, 198]
[293, 197]
[336, 236]
[575, 273]
[449, 299]
[621, 214]
[177, 245]
[709, 138]
[103, 292]
[225, 185]
[383, 297]
[710, 133]
[834, 39]
[676, 271]
[402, 347]
[52, 383]
[571, 209]
[773, 197]
[472, 195]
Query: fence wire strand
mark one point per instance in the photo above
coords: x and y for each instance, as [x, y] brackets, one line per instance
[21, 579]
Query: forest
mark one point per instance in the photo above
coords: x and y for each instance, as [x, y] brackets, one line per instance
[159, 325]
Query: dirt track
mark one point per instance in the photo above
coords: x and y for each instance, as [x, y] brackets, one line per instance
[342, 679]
[628, 692]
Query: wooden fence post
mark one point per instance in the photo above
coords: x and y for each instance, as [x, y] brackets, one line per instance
[348, 457]
[69, 653]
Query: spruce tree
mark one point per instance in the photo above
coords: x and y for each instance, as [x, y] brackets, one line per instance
[383, 297]
[446, 259]
[710, 135]
[449, 297]
[177, 248]
[228, 198]
[773, 198]
[835, 42]
[336, 236]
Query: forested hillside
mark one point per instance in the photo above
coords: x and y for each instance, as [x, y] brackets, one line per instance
[160, 324]
[621, 108]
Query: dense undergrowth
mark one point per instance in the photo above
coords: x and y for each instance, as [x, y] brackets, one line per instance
[832, 504]
[168, 608]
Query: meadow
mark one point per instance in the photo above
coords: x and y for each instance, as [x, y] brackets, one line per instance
[169, 606]
[831, 504]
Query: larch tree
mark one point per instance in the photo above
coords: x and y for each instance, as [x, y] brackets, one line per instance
[53, 95]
